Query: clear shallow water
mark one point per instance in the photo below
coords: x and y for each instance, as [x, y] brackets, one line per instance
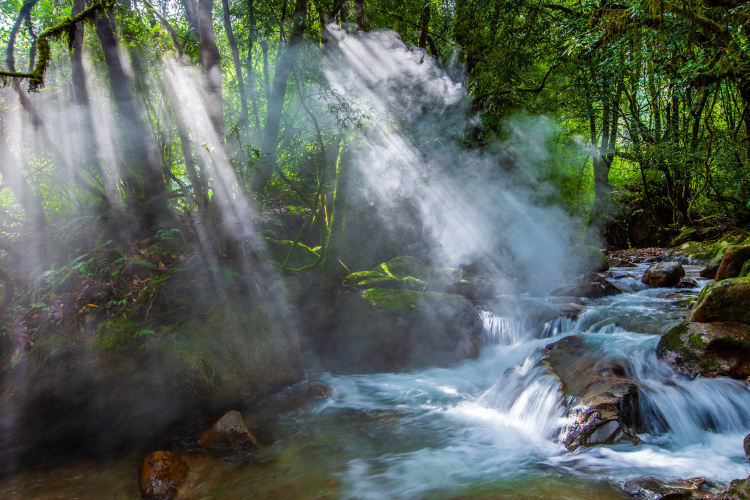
[484, 428]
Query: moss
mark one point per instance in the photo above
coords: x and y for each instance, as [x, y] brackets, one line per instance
[745, 270]
[684, 236]
[391, 300]
[672, 340]
[696, 341]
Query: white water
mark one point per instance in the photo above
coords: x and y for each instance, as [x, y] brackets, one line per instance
[497, 419]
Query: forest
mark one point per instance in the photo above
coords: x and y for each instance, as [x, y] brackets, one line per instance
[445, 223]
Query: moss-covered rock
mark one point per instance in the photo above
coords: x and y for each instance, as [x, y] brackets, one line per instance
[663, 274]
[745, 270]
[603, 402]
[725, 300]
[708, 349]
[732, 261]
[594, 259]
[381, 329]
[687, 234]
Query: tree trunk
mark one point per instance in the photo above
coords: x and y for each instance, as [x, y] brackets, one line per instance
[139, 157]
[245, 116]
[276, 100]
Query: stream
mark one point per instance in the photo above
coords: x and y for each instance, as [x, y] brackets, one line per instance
[483, 428]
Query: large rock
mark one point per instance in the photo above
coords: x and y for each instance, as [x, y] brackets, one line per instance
[594, 259]
[604, 406]
[229, 432]
[725, 300]
[164, 476]
[663, 274]
[731, 262]
[708, 349]
[379, 329]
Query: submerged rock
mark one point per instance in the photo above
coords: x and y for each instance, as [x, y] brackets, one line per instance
[164, 476]
[380, 329]
[731, 263]
[725, 300]
[605, 402]
[229, 432]
[708, 349]
[663, 274]
[650, 488]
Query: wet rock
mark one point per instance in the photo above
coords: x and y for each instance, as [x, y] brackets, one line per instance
[591, 286]
[229, 432]
[604, 406]
[650, 488]
[739, 489]
[746, 446]
[732, 261]
[709, 272]
[164, 476]
[725, 300]
[663, 274]
[686, 283]
[708, 349]
[380, 329]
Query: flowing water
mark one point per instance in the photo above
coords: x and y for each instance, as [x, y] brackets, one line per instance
[487, 427]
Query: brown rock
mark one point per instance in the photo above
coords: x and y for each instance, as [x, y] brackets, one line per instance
[731, 262]
[591, 285]
[709, 272]
[163, 476]
[746, 446]
[663, 274]
[229, 432]
[650, 488]
[606, 402]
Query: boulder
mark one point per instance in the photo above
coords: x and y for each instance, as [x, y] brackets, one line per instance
[708, 349]
[726, 300]
[709, 272]
[380, 329]
[746, 446]
[164, 476]
[591, 286]
[602, 402]
[732, 261]
[663, 274]
[650, 488]
[229, 432]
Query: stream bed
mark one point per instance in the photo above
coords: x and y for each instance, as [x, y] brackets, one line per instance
[483, 428]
